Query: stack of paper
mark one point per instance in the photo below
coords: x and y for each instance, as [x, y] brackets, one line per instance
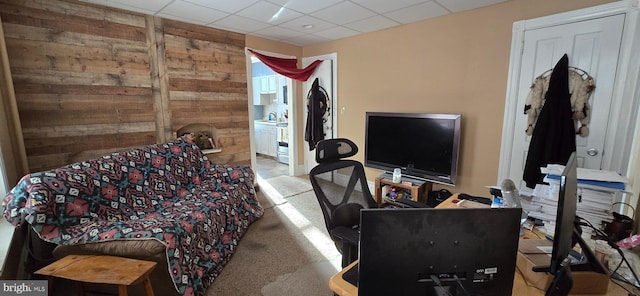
[597, 191]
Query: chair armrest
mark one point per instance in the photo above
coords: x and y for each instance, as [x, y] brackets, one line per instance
[348, 235]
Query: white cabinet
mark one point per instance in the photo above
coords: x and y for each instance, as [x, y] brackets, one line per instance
[264, 89]
[268, 84]
[266, 139]
[260, 98]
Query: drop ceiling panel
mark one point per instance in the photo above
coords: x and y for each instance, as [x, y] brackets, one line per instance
[283, 20]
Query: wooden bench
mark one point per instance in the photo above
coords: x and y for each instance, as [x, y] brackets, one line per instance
[98, 269]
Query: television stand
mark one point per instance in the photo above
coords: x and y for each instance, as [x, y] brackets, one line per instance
[416, 187]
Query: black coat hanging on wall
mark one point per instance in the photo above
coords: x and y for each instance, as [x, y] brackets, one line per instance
[554, 137]
[317, 106]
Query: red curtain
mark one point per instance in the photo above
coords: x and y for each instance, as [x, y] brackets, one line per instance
[287, 67]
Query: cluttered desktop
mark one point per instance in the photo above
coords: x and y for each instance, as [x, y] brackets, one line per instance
[445, 262]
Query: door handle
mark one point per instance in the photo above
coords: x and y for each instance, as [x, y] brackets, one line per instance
[592, 152]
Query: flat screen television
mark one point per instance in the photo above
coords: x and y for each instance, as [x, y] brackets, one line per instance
[427, 251]
[424, 146]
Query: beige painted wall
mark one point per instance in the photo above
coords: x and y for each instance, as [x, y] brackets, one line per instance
[452, 64]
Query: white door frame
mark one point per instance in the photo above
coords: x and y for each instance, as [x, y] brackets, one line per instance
[334, 99]
[291, 107]
[620, 139]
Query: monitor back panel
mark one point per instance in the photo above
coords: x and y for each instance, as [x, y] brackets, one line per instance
[401, 250]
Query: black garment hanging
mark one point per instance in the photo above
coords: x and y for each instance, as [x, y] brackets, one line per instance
[316, 107]
[554, 136]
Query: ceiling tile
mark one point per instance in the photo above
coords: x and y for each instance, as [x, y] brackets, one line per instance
[343, 13]
[240, 24]
[152, 5]
[179, 18]
[297, 24]
[382, 6]
[461, 5]
[306, 39]
[224, 5]
[283, 20]
[417, 13]
[269, 13]
[193, 12]
[372, 24]
[277, 33]
[337, 33]
[305, 6]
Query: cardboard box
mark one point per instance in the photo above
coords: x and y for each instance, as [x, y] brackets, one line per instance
[530, 255]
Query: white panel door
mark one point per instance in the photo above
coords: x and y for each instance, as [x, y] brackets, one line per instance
[324, 73]
[592, 46]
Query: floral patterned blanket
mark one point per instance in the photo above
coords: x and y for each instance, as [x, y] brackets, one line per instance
[169, 192]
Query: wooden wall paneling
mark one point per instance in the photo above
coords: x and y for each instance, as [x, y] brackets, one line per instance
[14, 158]
[208, 84]
[159, 78]
[82, 79]
[90, 80]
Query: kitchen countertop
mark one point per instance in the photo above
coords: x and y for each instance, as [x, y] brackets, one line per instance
[266, 122]
[271, 122]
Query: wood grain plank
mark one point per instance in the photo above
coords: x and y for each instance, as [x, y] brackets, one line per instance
[83, 102]
[207, 96]
[30, 33]
[191, 31]
[62, 145]
[88, 129]
[160, 77]
[181, 59]
[86, 10]
[44, 49]
[66, 22]
[200, 85]
[207, 75]
[71, 64]
[42, 88]
[173, 41]
[25, 75]
[36, 118]
[180, 55]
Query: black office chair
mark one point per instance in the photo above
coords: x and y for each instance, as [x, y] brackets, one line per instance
[341, 204]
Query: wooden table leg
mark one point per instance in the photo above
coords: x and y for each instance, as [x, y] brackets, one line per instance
[50, 284]
[122, 290]
[147, 287]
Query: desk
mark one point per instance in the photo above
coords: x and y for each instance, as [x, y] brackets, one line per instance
[520, 287]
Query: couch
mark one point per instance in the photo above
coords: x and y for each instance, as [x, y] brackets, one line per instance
[164, 202]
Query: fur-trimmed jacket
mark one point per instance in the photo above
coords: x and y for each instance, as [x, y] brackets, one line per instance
[580, 88]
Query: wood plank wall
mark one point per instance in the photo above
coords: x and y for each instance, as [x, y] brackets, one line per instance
[90, 80]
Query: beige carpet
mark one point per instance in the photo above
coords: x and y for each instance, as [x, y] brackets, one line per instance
[287, 186]
[286, 252]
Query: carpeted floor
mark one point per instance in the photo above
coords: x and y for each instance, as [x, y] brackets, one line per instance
[287, 251]
[287, 186]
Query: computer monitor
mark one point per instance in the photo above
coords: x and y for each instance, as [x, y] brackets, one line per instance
[428, 251]
[567, 234]
[564, 240]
